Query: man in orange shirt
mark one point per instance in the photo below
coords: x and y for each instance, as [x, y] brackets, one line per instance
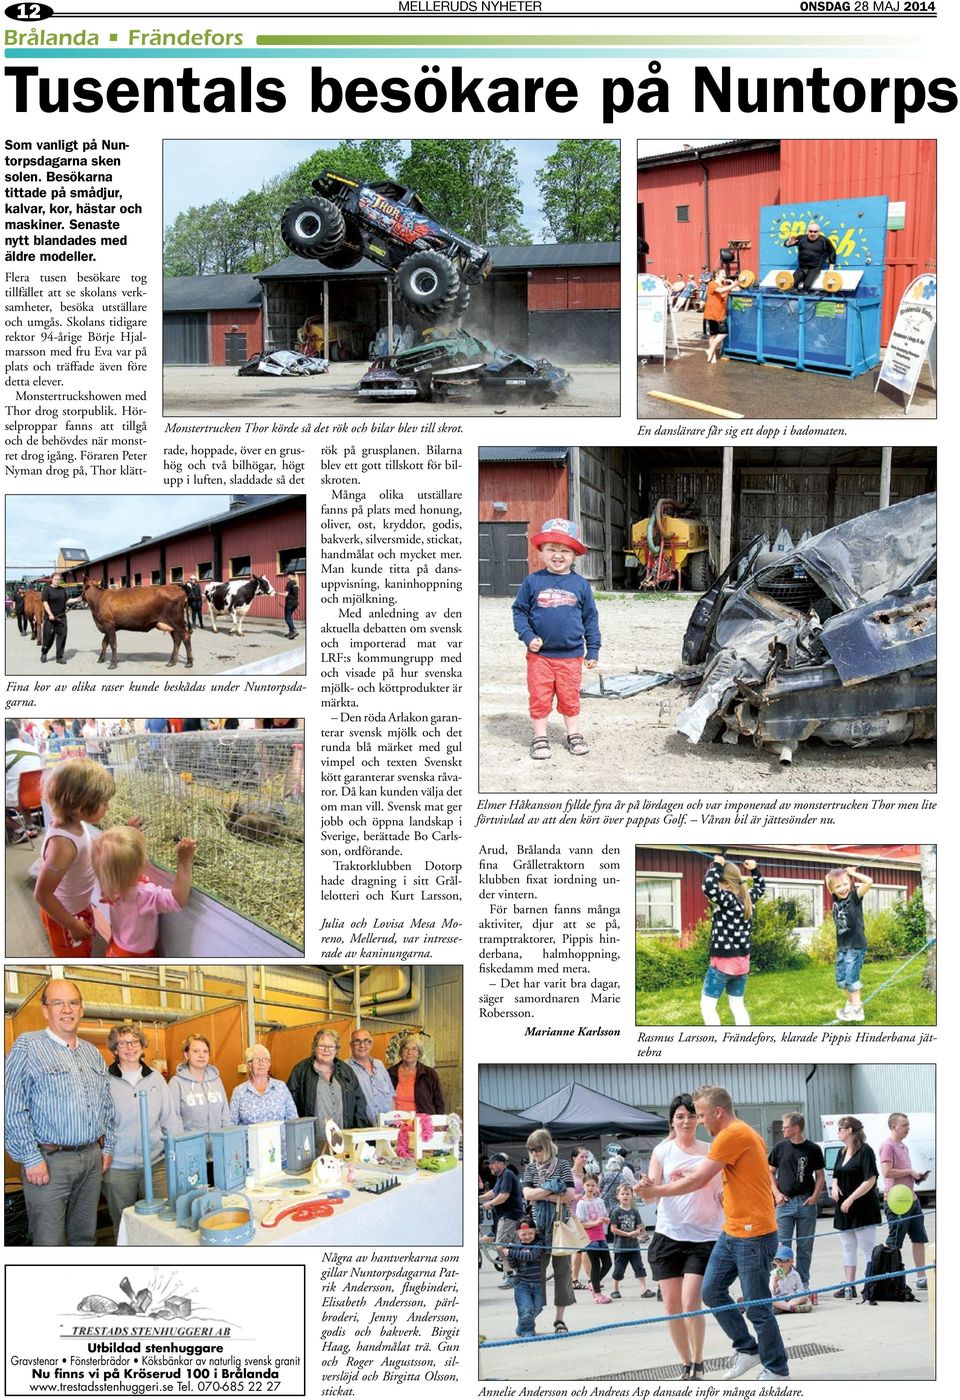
[715, 314]
[747, 1246]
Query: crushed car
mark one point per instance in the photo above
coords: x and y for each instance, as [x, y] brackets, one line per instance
[459, 367]
[835, 639]
[345, 220]
[282, 363]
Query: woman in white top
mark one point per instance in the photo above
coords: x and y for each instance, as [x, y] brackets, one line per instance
[687, 1229]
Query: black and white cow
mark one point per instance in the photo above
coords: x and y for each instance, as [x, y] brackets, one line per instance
[235, 597]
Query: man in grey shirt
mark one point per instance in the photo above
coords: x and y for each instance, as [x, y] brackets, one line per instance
[371, 1074]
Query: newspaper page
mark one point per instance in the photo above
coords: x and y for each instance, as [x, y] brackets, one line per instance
[597, 840]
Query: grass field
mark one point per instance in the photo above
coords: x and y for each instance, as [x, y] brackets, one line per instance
[806, 998]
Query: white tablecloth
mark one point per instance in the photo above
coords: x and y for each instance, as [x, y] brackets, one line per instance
[426, 1210]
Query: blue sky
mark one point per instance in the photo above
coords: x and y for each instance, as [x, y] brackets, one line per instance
[199, 172]
[37, 526]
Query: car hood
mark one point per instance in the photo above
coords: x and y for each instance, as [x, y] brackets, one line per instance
[866, 558]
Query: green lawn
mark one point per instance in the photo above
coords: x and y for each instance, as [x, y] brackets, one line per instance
[806, 998]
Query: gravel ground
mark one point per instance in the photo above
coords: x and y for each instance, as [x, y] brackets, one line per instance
[633, 746]
[147, 653]
[852, 1343]
[204, 389]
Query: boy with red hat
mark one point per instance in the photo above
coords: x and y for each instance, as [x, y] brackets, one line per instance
[555, 617]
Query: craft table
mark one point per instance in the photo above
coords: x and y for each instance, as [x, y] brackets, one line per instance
[425, 1210]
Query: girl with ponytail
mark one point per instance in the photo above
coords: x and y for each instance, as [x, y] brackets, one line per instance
[732, 893]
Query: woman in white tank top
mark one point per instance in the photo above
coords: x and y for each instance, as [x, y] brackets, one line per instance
[687, 1228]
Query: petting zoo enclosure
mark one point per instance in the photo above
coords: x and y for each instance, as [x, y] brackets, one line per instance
[239, 795]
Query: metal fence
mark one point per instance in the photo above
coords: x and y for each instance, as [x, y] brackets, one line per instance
[239, 794]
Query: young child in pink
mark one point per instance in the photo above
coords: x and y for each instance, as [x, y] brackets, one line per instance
[132, 901]
[592, 1214]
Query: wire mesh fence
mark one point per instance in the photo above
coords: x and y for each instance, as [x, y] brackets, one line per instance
[239, 794]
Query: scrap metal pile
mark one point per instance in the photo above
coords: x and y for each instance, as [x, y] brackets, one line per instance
[451, 365]
[836, 639]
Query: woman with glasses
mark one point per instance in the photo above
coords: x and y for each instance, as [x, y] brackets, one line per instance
[130, 1079]
[325, 1087]
[687, 1229]
[548, 1185]
[856, 1203]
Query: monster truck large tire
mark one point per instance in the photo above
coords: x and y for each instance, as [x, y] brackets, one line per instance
[428, 283]
[312, 227]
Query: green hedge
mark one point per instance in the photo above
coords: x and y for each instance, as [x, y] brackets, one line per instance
[775, 947]
[893, 933]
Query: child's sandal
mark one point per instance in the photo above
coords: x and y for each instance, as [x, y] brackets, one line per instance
[540, 748]
[577, 745]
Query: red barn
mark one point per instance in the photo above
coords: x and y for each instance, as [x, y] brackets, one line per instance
[212, 320]
[264, 535]
[693, 201]
[669, 879]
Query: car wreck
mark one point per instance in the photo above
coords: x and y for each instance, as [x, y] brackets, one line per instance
[455, 366]
[834, 640]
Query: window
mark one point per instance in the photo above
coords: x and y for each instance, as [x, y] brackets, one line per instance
[240, 566]
[156, 576]
[205, 572]
[124, 581]
[176, 574]
[658, 904]
[137, 580]
[806, 896]
[683, 213]
[292, 559]
[883, 897]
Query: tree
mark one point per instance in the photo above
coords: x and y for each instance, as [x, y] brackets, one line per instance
[580, 188]
[188, 243]
[243, 235]
[256, 214]
[928, 882]
[358, 160]
[472, 186]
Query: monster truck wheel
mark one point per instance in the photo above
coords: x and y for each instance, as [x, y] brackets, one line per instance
[312, 227]
[428, 282]
[462, 300]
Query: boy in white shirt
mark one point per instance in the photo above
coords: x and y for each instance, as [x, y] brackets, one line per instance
[785, 1283]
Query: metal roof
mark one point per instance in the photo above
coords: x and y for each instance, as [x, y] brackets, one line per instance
[261, 503]
[523, 454]
[231, 292]
[512, 257]
[707, 149]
